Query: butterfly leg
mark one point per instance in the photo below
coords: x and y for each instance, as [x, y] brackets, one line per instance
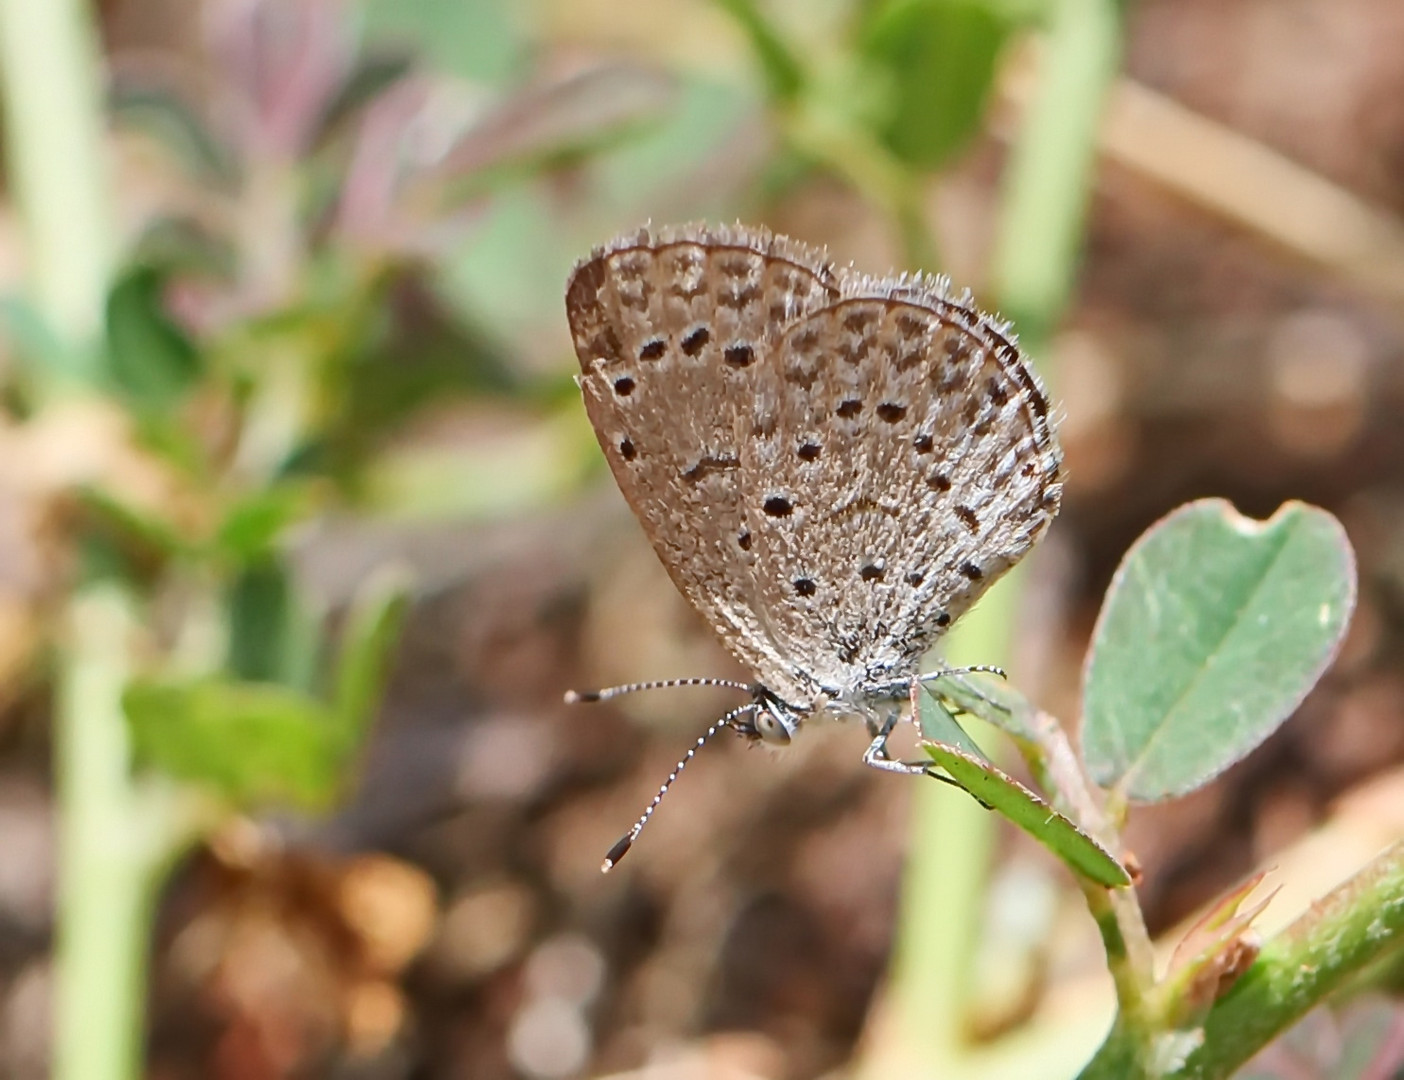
[876, 754]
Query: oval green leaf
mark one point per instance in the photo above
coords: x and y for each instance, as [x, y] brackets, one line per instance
[1032, 814]
[1213, 630]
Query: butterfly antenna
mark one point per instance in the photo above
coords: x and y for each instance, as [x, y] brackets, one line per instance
[574, 697]
[620, 849]
[973, 669]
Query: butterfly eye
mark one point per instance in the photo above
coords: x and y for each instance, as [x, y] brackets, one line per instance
[772, 728]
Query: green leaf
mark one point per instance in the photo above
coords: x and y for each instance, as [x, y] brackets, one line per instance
[368, 641]
[148, 356]
[1214, 629]
[1031, 813]
[254, 524]
[261, 610]
[254, 742]
[958, 755]
[939, 57]
[936, 724]
[992, 699]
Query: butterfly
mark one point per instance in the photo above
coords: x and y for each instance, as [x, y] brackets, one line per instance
[832, 467]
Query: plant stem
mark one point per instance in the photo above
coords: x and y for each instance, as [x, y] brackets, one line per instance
[1357, 923]
[1118, 915]
[1048, 182]
[784, 73]
[49, 63]
[105, 897]
[117, 840]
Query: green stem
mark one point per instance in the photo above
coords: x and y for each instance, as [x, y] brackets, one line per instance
[1357, 924]
[104, 901]
[1054, 764]
[117, 840]
[784, 73]
[50, 65]
[1118, 915]
[1048, 181]
[1130, 1045]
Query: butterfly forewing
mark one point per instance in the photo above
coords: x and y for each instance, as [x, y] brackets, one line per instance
[671, 330]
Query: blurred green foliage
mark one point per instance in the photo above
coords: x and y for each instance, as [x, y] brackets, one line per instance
[267, 731]
[939, 59]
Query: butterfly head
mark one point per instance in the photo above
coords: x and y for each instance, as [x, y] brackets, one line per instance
[771, 720]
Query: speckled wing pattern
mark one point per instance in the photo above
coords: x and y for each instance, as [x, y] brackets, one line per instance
[832, 467]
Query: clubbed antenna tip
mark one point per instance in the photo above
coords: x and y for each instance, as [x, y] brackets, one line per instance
[620, 849]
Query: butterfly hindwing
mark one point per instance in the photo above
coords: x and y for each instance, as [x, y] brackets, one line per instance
[909, 447]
